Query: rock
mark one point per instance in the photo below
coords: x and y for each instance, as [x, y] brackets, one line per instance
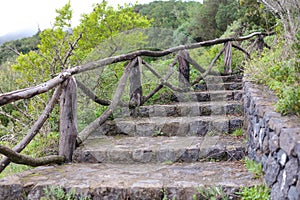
[289, 138]
[261, 137]
[291, 169]
[282, 157]
[297, 150]
[200, 128]
[273, 141]
[294, 193]
[272, 171]
[275, 192]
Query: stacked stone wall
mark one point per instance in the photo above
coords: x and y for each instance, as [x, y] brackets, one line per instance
[274, 140]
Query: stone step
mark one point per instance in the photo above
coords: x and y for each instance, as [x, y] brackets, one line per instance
[171, 126]
[130, 181]
[219, 86]
[186, 109]
[217, 95]
[228, 78]
[159, 149]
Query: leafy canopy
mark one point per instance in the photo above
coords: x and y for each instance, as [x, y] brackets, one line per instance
[62, 47]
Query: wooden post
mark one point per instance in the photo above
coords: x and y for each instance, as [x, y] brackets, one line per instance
[136, 91]
[184, 70]
[260, 43]
[68, 120]
[228, 58]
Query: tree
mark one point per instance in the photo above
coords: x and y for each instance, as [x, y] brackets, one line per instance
[62, 47]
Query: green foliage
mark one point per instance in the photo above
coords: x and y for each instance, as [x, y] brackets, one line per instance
[238, 132]
[43, 145]
[14, 169]
[253, 167]
[254, 16]
[210, 193]
[9, 50]
[257, 192]
[58, 193]
[279, 70]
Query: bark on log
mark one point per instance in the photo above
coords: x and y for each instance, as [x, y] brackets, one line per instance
[228, 58]
[68, 120]
[27, 160]
[33, 91]
[35, 128]
[83, 135]
[184, 70]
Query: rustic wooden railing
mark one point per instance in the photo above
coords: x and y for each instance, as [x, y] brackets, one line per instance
[66, 93]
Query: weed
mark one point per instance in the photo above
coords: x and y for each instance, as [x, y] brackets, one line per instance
[238, 132]
[58, 193]
[253, 167]
[165, 197]
[258, 192]
[210, 193]
[158, 133]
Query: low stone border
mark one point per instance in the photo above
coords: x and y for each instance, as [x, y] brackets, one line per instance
[273, 140]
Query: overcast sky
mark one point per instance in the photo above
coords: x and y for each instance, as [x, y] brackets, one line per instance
[18, 15]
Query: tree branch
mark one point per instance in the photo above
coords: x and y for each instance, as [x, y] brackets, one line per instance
[242, 50]
[27, 160]
[33, 91]
[91, 95]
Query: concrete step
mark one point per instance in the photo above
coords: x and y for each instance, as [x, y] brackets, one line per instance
[159, 149]
[219, 86]
[130, 181]
[217, 95]
[171, 126]
[228, 78]
[186, 109]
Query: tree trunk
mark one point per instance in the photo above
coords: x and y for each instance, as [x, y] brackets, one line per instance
[68, 120]
[184, 70]
[136, 91]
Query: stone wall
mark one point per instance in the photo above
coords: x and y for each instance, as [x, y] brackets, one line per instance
[273, 140]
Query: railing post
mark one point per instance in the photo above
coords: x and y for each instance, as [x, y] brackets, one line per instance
[136, 91]
[260, 43]
[228, 57]
[68, 119]
[184, 70]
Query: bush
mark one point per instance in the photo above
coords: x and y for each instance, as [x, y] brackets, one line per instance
[279, 69]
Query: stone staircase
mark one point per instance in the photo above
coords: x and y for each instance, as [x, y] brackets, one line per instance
[167, 152]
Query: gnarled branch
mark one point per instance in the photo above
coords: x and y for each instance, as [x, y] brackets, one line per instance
[27, 160]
